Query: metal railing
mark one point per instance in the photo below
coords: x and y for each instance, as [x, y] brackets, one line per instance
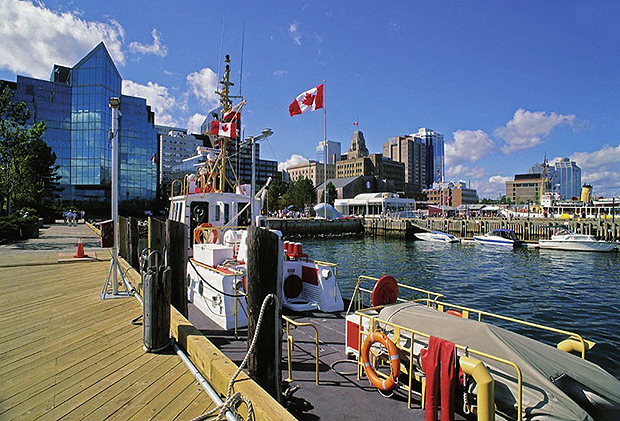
[291, 343]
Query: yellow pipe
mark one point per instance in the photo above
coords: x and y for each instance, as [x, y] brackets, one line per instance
[485, 387]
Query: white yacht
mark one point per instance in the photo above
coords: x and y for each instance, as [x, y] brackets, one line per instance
[436, 236]
[500, 237]
[565, 239]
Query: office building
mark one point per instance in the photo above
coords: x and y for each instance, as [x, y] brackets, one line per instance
[312, 170]
[374, 165]
[569, 178]
[411, 151]
[434, 154]
[524, 188]
[358, 146]
[74, 104]
[333, 151]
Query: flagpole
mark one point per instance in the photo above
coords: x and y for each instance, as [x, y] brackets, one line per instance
[325, 151]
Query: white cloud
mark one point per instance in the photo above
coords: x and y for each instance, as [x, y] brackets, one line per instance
[462, 171]
[493, 187]
[158, 97]
[194, 123]
[34, 38]
[156, 48]
[293, 160]
[468, 146]
[526, 129]
[295, 34]
[601, 168]
[203, 85]
[279, 73]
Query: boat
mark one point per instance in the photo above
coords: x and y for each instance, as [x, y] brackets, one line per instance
[218, 212]
[564, 238]
[501, 237]
[436, 236]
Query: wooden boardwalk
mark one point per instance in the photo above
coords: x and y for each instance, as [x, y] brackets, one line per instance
[66, 354]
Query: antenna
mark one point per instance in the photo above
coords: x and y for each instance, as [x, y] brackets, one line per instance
[219, 64]
[242, 48]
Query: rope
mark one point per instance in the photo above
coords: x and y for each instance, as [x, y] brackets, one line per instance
[232, 400]
[211, 286]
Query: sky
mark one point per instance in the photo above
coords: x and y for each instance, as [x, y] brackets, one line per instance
[507, 83]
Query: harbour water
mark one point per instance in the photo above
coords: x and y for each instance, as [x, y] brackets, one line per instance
[575, 291]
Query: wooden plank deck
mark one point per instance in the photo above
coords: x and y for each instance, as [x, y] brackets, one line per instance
[66, 354]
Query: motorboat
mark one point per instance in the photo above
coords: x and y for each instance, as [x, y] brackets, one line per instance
[500, 237]
[564, 238]
[436, 236]
[516, 377]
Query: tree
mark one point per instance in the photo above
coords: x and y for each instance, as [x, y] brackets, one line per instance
[275, 197]
[28, 171]
[300, 193]
[332, 193]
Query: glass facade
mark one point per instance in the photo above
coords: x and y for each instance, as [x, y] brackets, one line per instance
[74, 106]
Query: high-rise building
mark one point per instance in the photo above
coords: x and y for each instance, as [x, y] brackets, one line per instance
[74, 104]
[569, 178]
[313, 171]
[524, 188]
[358, 146]
[411, 151]
[333, 151]
[434, 154]
[374, 165]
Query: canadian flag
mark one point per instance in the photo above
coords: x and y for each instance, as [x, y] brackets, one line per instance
[224, 129]
[307, 101]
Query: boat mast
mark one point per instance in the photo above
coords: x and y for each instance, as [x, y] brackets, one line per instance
[226, 105]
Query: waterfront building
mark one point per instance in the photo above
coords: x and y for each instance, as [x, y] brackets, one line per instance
[349, 187]
[374, 204]
[176, 145]
[411, 151]
[453, 194]
[374, 165]
[434, 154]
[569, 178]
[524, 188]
[74, 104]
[312, 170]
[333, 151]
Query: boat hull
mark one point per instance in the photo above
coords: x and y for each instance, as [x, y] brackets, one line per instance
[599, 246]
[438, 237]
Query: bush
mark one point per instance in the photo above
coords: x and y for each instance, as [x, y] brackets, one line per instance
[9, 229]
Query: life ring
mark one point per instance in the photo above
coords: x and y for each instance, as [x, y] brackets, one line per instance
[382, 384]
[198, 234]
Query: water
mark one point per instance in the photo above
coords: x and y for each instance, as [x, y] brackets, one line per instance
[574, 291]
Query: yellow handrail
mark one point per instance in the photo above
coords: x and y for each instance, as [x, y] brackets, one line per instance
[291, 344]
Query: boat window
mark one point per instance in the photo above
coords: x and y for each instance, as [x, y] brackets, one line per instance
[226, 213]
[216, 217]
[199, 213]
[244, 217]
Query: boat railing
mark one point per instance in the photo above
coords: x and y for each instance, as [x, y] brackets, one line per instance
[465, 312]
[406, 340]
[291, 344]
[362, 293]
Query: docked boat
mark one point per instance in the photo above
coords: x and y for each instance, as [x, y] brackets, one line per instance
[218, 212]
[500, 237]
[439, 236]
[565, 239]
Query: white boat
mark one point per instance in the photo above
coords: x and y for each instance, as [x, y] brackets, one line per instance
[217, 219]
[436, 236]
[501, 237]
[565, 239]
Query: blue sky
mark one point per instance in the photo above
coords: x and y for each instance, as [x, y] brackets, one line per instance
[505, 82]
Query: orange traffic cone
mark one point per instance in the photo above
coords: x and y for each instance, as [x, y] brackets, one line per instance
[80, 250]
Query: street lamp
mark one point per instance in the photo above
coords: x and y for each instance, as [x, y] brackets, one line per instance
[251, 140]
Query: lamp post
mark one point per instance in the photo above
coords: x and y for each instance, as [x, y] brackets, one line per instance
[114, 105]
[251, 140]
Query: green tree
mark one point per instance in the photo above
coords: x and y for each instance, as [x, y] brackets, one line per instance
[275, 196]
[28, 171]
[332, 193]
[300, 193]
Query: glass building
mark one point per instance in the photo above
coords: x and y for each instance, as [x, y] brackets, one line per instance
[74, 106]
[569, 178]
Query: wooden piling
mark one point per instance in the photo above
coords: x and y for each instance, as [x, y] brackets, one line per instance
[177, 243]
[122, 237]
[264, 270]
[156, 309]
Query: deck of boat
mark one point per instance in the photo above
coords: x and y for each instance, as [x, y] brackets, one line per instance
[339, 395]
[67, 354]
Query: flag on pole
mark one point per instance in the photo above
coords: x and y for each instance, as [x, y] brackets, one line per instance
[307, 101]
[224, 129]
[355, 123]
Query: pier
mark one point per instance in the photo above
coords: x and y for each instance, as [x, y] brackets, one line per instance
[67, 354]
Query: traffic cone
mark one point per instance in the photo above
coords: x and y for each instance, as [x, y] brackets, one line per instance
[80, 250]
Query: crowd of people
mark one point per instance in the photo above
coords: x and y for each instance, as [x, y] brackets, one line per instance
[72, 217]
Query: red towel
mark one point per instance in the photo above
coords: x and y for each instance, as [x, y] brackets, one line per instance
[439, 360]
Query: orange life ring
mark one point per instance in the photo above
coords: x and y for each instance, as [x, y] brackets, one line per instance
[382, 384]
[198, 234]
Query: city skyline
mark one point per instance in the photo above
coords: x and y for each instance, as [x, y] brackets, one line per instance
[505, 83]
